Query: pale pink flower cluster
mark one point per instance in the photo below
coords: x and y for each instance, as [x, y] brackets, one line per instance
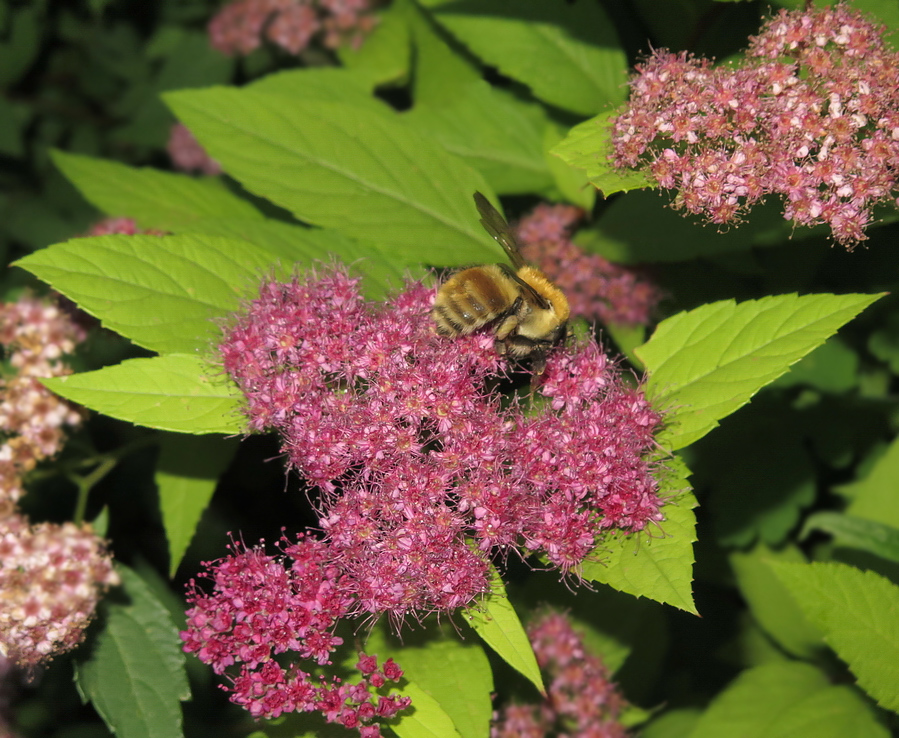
[34, 337]
[596, 288]
[241, 26]
[187, 154]
[581, 702]
[811, 115]
[51, 578]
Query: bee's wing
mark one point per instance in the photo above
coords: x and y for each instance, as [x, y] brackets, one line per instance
[527, 292]
[496, 226]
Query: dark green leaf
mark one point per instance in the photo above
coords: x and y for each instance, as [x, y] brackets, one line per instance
[186, 475]
[134, 673]
[567, 53]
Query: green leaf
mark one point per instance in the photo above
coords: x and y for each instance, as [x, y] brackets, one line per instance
[658, 568]
[134, 672]
[857, 613]
[369, 176]
[567, 53]
[324, 84]
[385, 53]
[382, 272]
[748, 500]
[493, 132]
[427, 719]
[588, 146]
[162, 292]
[155, 199]
[706, 363]
[770, 602]
[462, 684]
[187, 474]
[866, 535]
[174, 393]
[672, 724]
[787, 700]
[571, 182]
[874, 497]
[441, 69]
[497, 623]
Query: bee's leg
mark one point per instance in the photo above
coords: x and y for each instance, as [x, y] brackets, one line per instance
[506, 326]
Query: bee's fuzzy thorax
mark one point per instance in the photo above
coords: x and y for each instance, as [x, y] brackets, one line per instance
[546, 289]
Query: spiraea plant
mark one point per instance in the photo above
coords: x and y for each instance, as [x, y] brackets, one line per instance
[669, 512]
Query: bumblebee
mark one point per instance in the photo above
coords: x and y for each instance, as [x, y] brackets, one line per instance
[527, 312]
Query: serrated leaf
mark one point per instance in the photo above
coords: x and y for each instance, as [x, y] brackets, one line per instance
[497, 623]
[155, 199]
[770, 602]
[706, 363]
[426, 720]
[567, 53]
[187, 474]
[493, 132]
[162, 292]
[134, 673]
[588, 146]
[660, 568]
[369, 176]
[175, 393]
[857, 613]
[787, 700]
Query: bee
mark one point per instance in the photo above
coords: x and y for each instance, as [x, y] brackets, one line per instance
[527, 312]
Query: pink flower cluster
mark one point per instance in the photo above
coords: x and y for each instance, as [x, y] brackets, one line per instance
[119, 226]
[239, 27]
[187, 154]
[423, 469]
[596, 288]
[51, 577]
[262, 606]
[581, 700]
[415, 456]
[34, 336]
[811, 115]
